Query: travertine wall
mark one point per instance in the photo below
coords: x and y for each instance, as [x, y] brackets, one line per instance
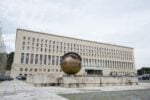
[96, 81]
[40, 53]
[71, 81]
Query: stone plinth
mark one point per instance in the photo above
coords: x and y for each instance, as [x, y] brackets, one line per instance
[94, 81]
[42, 79]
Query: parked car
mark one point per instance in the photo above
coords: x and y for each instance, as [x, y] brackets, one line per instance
[5, 78]
[21, 77]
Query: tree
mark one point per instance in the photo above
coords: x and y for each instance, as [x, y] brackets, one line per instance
[144, 70]
[3, 54]
[10, 58]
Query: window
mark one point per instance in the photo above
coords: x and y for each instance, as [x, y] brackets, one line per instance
[27, 48]
[36, 59]
[21, 69]
[23, 42]
[41, 59]
[26, 69]
[60, 59]
[32, 48]
[22, 58]
[49, 59]
[45, 50]
[45, 41]
[37, 44]
[31, 61]
[45, 59]
[49, 50]
[57, 60]
[35, 70]
[90, 62]
[30, 69]
[53, 60]
[27, 58]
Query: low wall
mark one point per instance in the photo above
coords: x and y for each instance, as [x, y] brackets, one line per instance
[79, 80]
[42, 79]
[71, 81]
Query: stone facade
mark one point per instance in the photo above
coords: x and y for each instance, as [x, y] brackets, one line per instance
[38, 53]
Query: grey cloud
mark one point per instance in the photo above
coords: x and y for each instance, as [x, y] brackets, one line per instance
[112, 21]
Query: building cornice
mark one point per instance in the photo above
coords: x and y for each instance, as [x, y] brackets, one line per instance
[72, 38]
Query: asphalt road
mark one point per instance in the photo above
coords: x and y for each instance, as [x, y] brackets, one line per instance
[112, 95]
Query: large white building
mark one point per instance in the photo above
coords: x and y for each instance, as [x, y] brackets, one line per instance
[40, 53]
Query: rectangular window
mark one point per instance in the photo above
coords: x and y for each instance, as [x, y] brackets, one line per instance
[41, 59]
[57, 60]
[95, 62]
[31, 61]
[36, 59]
[87, 62]
[45, 59]
[27, 58]
[53, 60]
[22, 58]
[90, 62]
[60, 59]
[49, 59]
[23, 42]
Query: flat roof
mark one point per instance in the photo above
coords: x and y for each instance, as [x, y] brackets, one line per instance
[72, 38]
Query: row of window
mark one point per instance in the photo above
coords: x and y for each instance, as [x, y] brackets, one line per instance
[107, 63]
[115, 73]
[39, 70]
[29, 58]
[57, 46]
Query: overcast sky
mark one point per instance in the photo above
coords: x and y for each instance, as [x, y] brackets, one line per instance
[122, 22]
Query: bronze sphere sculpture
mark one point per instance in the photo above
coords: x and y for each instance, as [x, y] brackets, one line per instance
[71, 63]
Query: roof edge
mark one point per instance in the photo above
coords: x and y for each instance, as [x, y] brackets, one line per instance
[73, 38]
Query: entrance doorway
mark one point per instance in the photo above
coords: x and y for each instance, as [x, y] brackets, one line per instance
[93, 72]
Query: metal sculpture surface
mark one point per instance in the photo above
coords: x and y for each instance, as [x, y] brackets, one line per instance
[71, 63]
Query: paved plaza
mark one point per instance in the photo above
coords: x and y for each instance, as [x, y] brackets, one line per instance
[18, 90]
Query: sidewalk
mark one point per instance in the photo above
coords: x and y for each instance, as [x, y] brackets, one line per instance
[18, 90]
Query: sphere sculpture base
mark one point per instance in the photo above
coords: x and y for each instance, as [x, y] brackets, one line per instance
[75, 81]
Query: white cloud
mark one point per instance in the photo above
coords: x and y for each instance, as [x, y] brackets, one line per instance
[113, 21]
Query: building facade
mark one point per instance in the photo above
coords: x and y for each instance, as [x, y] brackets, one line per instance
[40, 53]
